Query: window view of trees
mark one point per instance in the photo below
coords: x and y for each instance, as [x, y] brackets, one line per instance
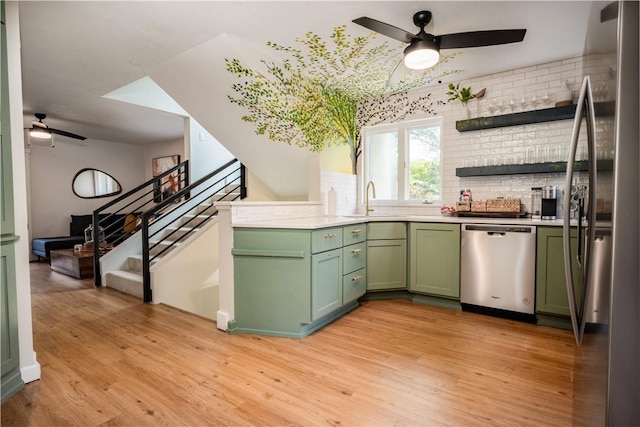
[424, 163]
[403, 159]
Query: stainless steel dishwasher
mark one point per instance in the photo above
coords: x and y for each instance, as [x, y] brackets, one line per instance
[497, 269]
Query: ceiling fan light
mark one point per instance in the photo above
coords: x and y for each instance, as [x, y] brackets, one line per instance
[40, 133]
[421, 54]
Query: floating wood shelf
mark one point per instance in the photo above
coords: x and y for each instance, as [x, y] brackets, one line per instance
[530, 117]
[530, 168]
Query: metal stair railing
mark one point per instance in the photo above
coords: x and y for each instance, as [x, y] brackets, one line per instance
[109, 230]
[228, 182]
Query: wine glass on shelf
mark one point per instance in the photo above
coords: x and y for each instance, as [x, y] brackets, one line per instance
[534, 101]
[523, 103]
[491, 106]
[546, 99]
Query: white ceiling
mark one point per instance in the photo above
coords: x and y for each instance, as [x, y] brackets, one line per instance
[75, 52]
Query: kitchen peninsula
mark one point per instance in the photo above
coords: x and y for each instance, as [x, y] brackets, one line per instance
[292, 275]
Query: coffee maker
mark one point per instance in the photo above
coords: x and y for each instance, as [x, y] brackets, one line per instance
[549, 202]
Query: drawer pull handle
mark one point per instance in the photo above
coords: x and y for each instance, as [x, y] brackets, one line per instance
[329, 236]
[356, 278]
[355, 251]
[356, 231]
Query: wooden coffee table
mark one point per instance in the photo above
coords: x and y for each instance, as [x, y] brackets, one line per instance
[75, 264]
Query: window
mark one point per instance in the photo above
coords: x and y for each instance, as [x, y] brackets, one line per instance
[403, 160]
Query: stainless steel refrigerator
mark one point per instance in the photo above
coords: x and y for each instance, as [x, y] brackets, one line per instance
[603, 205]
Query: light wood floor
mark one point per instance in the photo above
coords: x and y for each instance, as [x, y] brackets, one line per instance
[108, 359]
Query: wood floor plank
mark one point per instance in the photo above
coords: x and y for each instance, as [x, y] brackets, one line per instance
[108, 359]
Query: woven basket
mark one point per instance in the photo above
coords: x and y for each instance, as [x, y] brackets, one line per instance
[479, 206]
[463, 206]
[503, 205]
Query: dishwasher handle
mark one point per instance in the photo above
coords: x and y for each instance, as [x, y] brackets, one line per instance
[496, 233]
[498, 229]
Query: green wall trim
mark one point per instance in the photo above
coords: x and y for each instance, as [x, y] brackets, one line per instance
[384, 295]
[6, 239]
[553, 321]
[307, 329]
[436, 301]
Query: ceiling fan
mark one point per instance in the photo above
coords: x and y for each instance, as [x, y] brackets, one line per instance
[424, 49]
[40, 130]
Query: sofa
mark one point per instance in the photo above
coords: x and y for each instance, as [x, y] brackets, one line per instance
[113, 224]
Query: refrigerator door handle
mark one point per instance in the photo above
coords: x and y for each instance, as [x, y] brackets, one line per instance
[584, 109]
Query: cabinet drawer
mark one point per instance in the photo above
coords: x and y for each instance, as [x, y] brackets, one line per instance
[354, 285]
[355, 233]
[386, 230]
[326, 239]
[354, 257]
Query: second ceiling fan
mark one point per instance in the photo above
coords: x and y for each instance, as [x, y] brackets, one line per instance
[40, 130]
[424, 49]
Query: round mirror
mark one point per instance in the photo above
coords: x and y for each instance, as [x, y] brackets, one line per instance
[93, 183]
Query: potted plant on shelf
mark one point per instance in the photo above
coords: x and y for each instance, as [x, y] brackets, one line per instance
[463, 95]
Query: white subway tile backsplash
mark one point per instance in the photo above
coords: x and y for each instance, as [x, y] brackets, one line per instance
[510, 144]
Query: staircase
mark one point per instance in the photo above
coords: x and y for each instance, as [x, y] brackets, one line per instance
[130, 279]
[171, 229]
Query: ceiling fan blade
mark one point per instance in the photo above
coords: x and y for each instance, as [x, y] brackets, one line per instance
[385, 29]
[480, 38]
[67, 134]
[398, 75]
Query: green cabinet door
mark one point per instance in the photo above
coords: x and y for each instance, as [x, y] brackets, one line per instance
[434, 259]
[386, 256]
[326, 283]
[272, 275]
[386, 264]
[551, 286]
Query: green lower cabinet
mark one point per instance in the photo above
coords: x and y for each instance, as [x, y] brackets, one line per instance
[386, 256]
[434, 259]
[551, 287]
[291, 282]
[326, 283]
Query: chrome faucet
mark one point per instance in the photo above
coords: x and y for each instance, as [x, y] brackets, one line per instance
[366, 197]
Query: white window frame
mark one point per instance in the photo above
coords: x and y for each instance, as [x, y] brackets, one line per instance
[403, 128]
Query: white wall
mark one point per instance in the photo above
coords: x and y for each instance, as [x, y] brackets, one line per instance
[187, 277]
[52, 171]
[202, 91]
[29, 367]
[206, 153]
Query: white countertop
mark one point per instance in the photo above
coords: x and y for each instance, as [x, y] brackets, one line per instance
[310, 223]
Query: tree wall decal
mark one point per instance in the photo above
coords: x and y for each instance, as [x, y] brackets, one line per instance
[323, 94]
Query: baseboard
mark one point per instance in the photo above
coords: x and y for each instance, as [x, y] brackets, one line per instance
[31, 372]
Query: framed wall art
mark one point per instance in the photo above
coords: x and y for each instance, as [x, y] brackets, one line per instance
[169, 184]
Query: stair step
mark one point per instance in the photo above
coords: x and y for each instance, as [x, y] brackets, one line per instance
[225, 196]
[134, 263]
[174, 233]
[160, 246]
[125, 281]
[204, 207]
[198, 219]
